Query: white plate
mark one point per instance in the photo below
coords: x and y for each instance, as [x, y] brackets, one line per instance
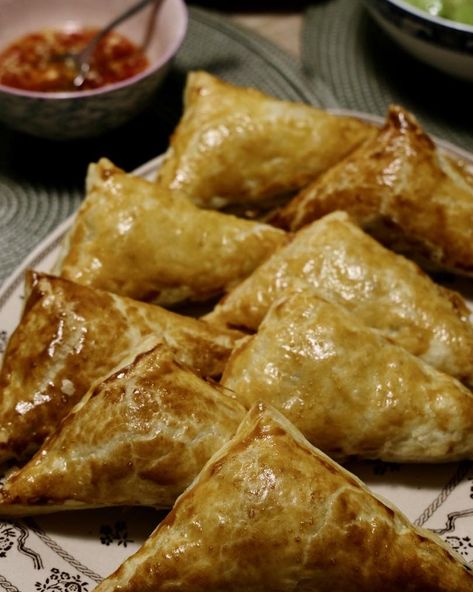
[72, 551]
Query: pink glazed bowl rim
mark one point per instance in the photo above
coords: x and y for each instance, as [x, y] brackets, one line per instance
[170, 51]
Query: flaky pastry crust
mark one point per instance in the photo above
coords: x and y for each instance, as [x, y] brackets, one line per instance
[386, 291]
[138, 437]
[238, 145]
[269, 512]
[403, 190]
[71, 335]
[348, 390]
[133, 238]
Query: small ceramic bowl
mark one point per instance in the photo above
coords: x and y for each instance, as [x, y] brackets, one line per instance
[447, 45]
[81, 114]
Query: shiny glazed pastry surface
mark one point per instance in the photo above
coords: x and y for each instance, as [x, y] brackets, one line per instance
[269, 512]
[385, 291]
[348, 390]
[403, 190]
[238, 145]
[69, 336]
[136, 239]
[139, 437]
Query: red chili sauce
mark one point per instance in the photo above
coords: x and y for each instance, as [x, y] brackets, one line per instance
[33, 61]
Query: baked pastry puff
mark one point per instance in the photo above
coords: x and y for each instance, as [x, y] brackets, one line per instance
[238, 145]
[403, 190]
[71, 335]
[349, 391]
[138, 437]
[136, 239]
[271, 512]
[387, 292]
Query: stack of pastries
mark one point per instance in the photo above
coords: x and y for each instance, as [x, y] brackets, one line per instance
[326, 344]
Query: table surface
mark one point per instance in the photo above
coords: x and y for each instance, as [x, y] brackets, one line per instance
[282, 28]
[281, 24]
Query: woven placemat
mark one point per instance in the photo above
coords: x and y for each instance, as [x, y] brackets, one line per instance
[366, 71]
[41, 182]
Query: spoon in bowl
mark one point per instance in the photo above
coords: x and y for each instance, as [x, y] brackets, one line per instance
[80, 61]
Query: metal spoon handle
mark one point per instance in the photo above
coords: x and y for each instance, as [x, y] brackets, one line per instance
[88, 51]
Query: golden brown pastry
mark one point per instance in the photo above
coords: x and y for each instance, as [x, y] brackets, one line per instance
[69, 336]
[238, 145]
[385, 291]
[139, 437]
[348, 390]
[269, 512]
[135, 239]
[403, 190]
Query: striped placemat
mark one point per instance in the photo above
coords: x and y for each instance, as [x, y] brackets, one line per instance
[366, 71]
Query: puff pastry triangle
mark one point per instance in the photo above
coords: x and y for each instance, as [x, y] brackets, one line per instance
[71, 335]
[136, 239]
[139, 437]
[238, 145]
[348, 390]
[269, 512]
[386, 291]
[403, 190]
